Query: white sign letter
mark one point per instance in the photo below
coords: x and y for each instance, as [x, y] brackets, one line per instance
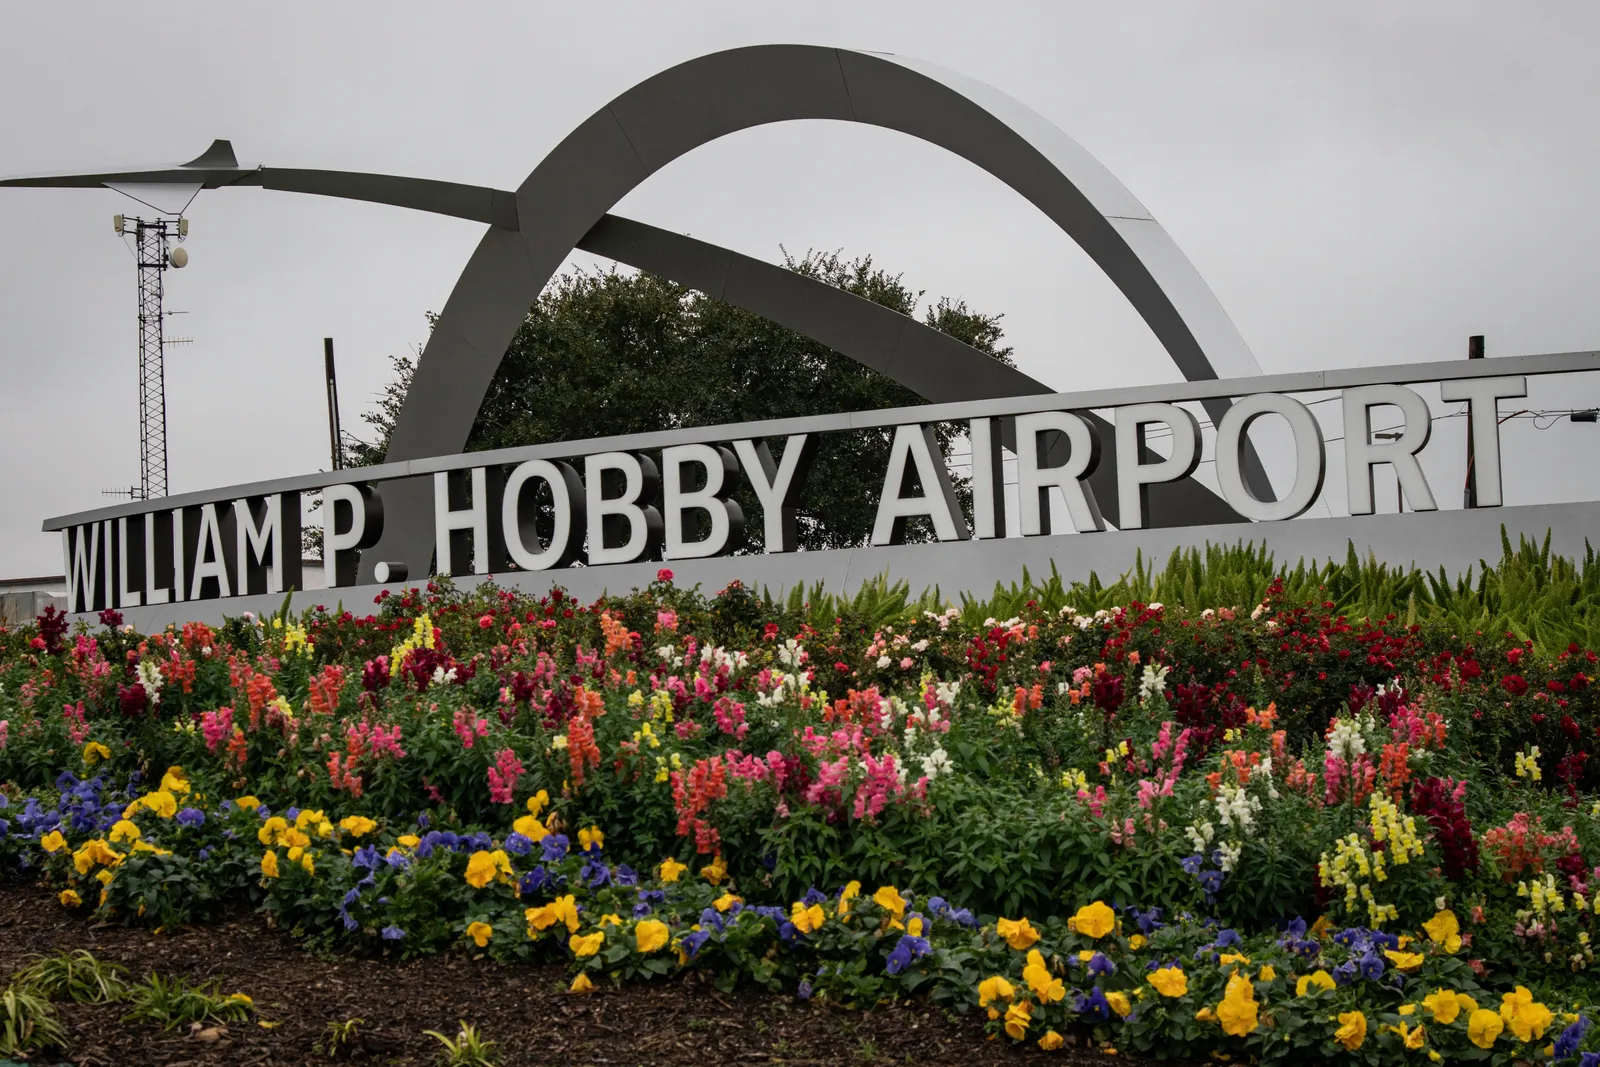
[1361, 455]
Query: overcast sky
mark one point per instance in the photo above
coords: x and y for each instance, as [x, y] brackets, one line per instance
[1359, 183]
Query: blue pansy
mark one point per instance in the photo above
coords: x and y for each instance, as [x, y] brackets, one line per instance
[907, 950]
[624, 875]
[191, 817]
[1567, 1043]
[555, 847]
[518, 844]
[694, 940]
[1094, 1005]
[393, 933]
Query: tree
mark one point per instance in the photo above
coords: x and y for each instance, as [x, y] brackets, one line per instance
[607, 352]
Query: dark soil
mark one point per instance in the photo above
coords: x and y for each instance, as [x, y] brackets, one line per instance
[525, 1010]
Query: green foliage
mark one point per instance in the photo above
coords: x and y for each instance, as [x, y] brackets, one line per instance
[27, 1022]
[75, 976]
[468, 1048]
[1531, 592]
[171, 1002]
[612, 353]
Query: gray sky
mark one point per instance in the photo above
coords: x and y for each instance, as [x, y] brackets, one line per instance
[1360, 183]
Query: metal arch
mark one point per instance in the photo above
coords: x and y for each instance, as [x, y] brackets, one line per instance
[694, 103]
[566, 198]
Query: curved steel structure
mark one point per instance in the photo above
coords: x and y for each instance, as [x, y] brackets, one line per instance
[564, 204]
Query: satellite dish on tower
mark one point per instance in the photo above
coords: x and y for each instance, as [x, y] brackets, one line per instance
[178, 257]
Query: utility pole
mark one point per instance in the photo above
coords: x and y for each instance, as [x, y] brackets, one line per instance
[1470, 493]
[335, 439]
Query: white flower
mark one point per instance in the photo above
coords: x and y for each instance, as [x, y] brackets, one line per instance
[444, 677]
[936, 763]
[1345, 740]
[1154, 682]
[150, 677]
[1229, 855]
[883, 661]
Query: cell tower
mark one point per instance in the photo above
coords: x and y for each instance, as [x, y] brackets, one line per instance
[153, 253]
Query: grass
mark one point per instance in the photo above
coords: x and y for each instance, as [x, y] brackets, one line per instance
[72, 976]
[170, 1002]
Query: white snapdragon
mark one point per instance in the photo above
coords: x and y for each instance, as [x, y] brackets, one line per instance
[1154, 682]
[1345, 740]
[1236, 808]
[1200, 835]
[936, 763]
[150, 677]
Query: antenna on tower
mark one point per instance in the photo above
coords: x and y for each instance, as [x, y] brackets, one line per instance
[154, 255]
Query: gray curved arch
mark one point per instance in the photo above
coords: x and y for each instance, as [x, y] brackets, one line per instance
[694, 103]
[563, 205]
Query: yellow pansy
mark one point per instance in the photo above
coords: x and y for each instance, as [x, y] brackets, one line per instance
[888, 898]
[1315, 981]
[671, 870]
[1046, 986]
[162, 802]
[357, 825]
[124, 830]
[592, 836]
[94, 752]
[530, 827]
[726, 901]
[480, 933]
[1526, 1017]
[1404, 961]
[1169, 981]
[715, 871]
[992, 989]
[1238, 1011]
[1119, 1003]
[849, 893]
[1051, 1041]
[1094, 920]
[484, 867]
[70, 898]
[581, 984]
[1483, 1027]
[1444, 930]
[1018, 933]
[650, 935]
[1018, 1016]
[807, 920]
[1443, 1006]
[53, 841]
[586, 944]
[561, 910]
[269, 864]
[247, 803]
[1352, 1030]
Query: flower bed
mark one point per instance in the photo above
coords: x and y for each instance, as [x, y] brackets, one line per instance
[1258, 829]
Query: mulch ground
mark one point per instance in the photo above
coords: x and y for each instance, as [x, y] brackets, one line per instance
[524, 1009]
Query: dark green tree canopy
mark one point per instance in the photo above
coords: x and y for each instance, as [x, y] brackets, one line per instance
[608, 352]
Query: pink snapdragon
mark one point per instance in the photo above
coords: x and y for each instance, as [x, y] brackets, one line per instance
[217, 726]
[503, 776]
[730, 716]
[468, 727]
[882, 783]
[77, 722]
